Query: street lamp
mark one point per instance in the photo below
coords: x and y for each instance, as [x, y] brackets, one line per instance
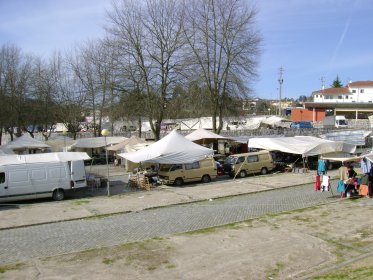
[64, 132]
[105, 133]
[280, 80]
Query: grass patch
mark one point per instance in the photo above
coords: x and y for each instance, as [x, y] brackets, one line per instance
[159, 238]
[361, 273]
[15, 266]
[365, 232]
[340, 249]
[171, 266]
[81, 201]
[213, 229]
[303, 219]
[108, 261]
[273, 273]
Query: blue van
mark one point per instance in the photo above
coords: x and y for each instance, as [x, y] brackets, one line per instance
[301, 124]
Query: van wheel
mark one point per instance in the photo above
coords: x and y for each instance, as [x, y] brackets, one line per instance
[178, 182]
[264, 171]
[58, 195]
[242, 174]
[206, 179]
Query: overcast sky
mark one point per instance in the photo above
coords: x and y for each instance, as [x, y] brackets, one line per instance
[310, 39]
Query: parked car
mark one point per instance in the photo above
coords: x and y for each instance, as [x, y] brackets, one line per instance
[204, 170]
[248, 163]
[301, 124]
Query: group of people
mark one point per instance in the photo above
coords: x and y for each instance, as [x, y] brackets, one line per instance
[351, 182]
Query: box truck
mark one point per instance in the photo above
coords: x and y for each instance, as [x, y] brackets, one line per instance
[41, 175]
[335, 122]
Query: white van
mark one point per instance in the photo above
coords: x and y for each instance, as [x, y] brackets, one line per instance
[20, 181]
[248, 163]
[204, 171]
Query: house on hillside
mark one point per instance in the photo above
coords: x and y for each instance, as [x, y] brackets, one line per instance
[354, 101]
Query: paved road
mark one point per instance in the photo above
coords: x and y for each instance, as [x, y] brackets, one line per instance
[58, 238]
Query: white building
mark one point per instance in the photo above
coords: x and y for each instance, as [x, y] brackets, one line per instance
[354, 92]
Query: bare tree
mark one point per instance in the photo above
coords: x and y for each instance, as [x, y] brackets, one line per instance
[45, 86]
[148, 38]
[15, 77]
[93, 65]
[224, 48]
[71, 98]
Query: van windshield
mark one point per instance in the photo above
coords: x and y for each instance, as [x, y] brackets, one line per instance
[230, 160]
[342, 122]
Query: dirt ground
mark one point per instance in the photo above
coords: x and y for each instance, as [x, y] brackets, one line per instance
[335, 240]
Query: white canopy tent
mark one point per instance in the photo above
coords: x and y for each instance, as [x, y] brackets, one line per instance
[202, 135]
[302, 145]
[276, 121]
[96, 142]
[342, 158]
[24, 143]
[172, 149]
[125, 146]
[44, 157]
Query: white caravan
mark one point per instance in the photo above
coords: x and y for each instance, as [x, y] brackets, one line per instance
[41, 175]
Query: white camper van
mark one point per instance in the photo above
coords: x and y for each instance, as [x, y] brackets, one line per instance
[41, 175]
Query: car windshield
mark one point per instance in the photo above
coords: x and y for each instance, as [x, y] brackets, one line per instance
[342, 122]
[230, 160]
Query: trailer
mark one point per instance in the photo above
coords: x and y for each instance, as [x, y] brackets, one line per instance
[41, 175]
[335, 122]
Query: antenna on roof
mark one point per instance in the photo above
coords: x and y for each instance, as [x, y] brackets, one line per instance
[322, 82]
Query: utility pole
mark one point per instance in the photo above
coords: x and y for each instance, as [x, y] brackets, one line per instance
[280, 80]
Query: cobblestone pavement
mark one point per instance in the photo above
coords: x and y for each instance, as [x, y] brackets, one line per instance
[65, 237]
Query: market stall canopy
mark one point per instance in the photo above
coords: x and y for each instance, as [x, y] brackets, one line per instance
[275, 121]
[344, 158]
[96, 142]
[58, 143]
[302, 145]
[25, 142]
[44, 157]
[355, 137]
[172, 149]
[203, 136]
[122, 146]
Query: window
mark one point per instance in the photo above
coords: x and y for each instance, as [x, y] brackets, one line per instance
[340, 97]
[361, 91]
[194, 165]
[2, 177]
[240, 159]
[354, 91]
[176, 166]
[252, 158]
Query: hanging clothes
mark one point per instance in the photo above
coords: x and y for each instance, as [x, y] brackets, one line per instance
[317, 183]
[340, 186]
[365, 165]
[321, 167]
[325, 183]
